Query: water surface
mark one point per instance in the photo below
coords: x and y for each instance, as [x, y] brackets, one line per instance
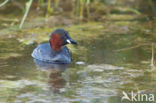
[100, 72]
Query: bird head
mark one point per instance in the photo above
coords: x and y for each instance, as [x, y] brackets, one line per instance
[59, 38]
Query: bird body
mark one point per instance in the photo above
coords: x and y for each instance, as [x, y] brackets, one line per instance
[45, 53]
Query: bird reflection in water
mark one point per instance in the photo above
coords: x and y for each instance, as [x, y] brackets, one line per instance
[56, 81]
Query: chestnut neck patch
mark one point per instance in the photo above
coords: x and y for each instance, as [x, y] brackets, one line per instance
[56, 42]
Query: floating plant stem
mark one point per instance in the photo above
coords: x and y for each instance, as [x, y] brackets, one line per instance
[28, 5]
[152, 59]
[2, 4]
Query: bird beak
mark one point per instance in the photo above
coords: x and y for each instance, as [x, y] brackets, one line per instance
[71, 41]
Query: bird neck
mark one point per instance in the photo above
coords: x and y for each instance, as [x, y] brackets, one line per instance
[56, 42]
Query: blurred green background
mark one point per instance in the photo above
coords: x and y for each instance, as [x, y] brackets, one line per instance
[72, 11]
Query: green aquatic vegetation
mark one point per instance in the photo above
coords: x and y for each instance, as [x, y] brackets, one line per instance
[82, 7]
[88, 7]
[77, 8]
[121, 17]
[5, 2]
[10, 55]
[151, 2]
[125, 10]
[52, 7]
[28, 5]
[57, 3]
[42, 2]
[49, 9]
